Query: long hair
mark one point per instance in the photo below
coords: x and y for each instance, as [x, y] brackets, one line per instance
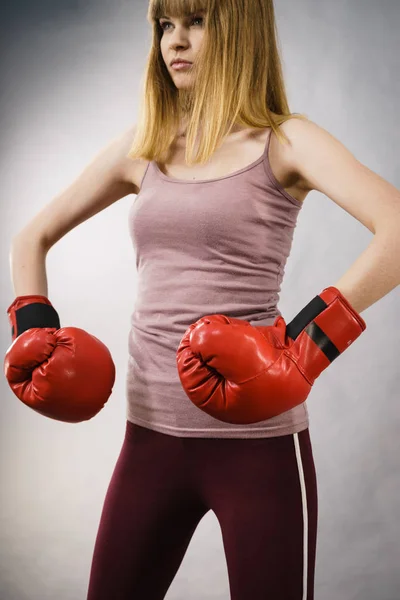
[237, 79]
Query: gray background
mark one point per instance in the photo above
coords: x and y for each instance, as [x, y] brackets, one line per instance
[70, 80]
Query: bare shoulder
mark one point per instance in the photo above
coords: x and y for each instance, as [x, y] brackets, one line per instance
[306, 140]
[329, 167]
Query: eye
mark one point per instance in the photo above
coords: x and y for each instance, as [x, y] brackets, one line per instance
[162, 25]
[197, 19]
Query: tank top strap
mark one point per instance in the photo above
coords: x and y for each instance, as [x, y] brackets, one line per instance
[267, 145]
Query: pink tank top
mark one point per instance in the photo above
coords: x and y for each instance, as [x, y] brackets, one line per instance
[202, 247]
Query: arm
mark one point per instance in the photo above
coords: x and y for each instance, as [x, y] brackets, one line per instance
[325, 165]
[106, 179]
[73, 372]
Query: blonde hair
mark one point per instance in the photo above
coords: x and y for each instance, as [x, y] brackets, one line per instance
[238, 80]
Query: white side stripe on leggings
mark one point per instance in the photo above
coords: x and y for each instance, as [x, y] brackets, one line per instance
[305, 513]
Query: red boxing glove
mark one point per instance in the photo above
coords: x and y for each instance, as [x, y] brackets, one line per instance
[242, 374]
[64, 374]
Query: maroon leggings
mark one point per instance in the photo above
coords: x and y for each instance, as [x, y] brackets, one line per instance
[263, 492]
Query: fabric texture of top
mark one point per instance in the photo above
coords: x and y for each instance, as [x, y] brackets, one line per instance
[216, 246]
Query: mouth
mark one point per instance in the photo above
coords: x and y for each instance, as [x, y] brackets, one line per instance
[180, 62]
[181, 66]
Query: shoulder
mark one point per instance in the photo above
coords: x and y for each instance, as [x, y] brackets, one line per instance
[332, 169]
[308, 144]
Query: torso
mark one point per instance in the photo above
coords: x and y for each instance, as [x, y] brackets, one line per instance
[237, 151]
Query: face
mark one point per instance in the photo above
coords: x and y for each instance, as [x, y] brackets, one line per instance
[181, 38]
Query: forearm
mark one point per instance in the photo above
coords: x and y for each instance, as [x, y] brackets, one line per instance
[28, 267]
[375, 273]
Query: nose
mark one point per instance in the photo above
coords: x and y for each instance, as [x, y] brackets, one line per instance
[178, 38]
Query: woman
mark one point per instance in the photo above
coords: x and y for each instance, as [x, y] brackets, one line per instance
[212, 234]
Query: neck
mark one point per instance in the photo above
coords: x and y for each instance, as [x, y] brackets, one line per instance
[182, 131]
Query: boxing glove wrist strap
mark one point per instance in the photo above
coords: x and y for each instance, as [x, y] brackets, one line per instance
[31, 311]
[331, 323]
[305, 316]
